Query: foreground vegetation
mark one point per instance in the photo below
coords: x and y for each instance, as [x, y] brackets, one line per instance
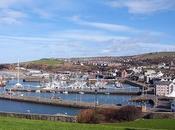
[7, 123]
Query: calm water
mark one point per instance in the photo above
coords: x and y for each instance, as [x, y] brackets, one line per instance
[12, 106]
[21, 107]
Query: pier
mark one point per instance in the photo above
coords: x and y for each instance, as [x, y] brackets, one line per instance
[55, 102]
[160, 103]
[75, 91]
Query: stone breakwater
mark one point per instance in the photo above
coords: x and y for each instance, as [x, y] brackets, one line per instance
[55, 102]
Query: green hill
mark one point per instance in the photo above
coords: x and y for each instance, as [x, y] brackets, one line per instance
[47, 61]
[155, 55]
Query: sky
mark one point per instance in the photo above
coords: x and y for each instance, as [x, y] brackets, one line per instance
[34, 29]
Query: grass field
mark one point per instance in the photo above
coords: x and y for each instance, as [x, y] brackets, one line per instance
[7, 123]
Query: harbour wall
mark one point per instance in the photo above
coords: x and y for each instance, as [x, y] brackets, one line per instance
[56, 102]
[62, 118]
[76, 91]
[73, 119]
[135, 83]
[160, 115]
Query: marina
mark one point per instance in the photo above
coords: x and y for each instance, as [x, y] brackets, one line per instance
[31, 98]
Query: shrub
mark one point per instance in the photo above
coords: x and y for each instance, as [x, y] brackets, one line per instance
[87, 116]
[108, 113]
[128, 113]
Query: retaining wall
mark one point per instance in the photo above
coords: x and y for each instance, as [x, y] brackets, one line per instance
[62, 118]
[160, 115]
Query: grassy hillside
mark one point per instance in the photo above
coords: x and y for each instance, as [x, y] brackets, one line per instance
[48, 61]
[155, 55]
[7, 123]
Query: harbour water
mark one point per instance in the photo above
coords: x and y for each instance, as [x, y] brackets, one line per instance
[22, 107]
[13, 106]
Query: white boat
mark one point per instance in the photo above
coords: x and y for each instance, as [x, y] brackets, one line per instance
[55, 85]
[101, 85]
[118, 85]
[78, 85]
[18, 85]
[81, 92]
[107, 93]
[38, 91]
[65, 92]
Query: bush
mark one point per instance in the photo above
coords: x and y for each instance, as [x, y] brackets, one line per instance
[87, 116]
[108, 113]
[128, 113]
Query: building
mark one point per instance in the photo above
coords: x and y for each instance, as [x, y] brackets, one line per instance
[172, 66]
[164, 88]
[150, 77]
[124, 74]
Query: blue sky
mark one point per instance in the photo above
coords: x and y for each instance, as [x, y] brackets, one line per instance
[34, 29]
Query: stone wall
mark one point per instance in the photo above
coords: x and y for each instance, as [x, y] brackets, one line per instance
[160, 115]
[62, 118]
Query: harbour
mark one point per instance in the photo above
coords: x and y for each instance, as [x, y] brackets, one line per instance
[31, 98]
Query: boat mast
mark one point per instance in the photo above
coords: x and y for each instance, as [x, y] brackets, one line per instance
[18, 70]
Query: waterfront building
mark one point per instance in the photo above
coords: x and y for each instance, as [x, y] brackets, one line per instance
[164, 88]
[126, 73]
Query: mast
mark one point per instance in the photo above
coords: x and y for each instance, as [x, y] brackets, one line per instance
[18, 70]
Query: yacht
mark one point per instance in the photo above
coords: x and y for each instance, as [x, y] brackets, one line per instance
[118, 85]
[81, 92]
[101, 85]
[78, 85]
[65, 92]
[107, 93]
[18, 85]
[53, 85]
[38, 91]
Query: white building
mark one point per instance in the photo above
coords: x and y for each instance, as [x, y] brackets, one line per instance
[153, 75]
[164, 88]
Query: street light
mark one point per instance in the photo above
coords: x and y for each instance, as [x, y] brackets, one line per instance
[96, 92]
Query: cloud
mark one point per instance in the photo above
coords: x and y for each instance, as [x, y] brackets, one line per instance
[85, 35]
[143, 6]
[104, 26]
[134, 46]
[9, 3]
[8, 16]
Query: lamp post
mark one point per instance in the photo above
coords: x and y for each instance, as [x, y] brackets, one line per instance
[96, 98]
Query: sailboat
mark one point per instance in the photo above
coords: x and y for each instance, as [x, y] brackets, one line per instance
[18, 85]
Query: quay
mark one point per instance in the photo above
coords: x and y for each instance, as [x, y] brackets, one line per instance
[75, 91]
[160, 103]
[145, 98]
[55, 102]
[134, 83]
